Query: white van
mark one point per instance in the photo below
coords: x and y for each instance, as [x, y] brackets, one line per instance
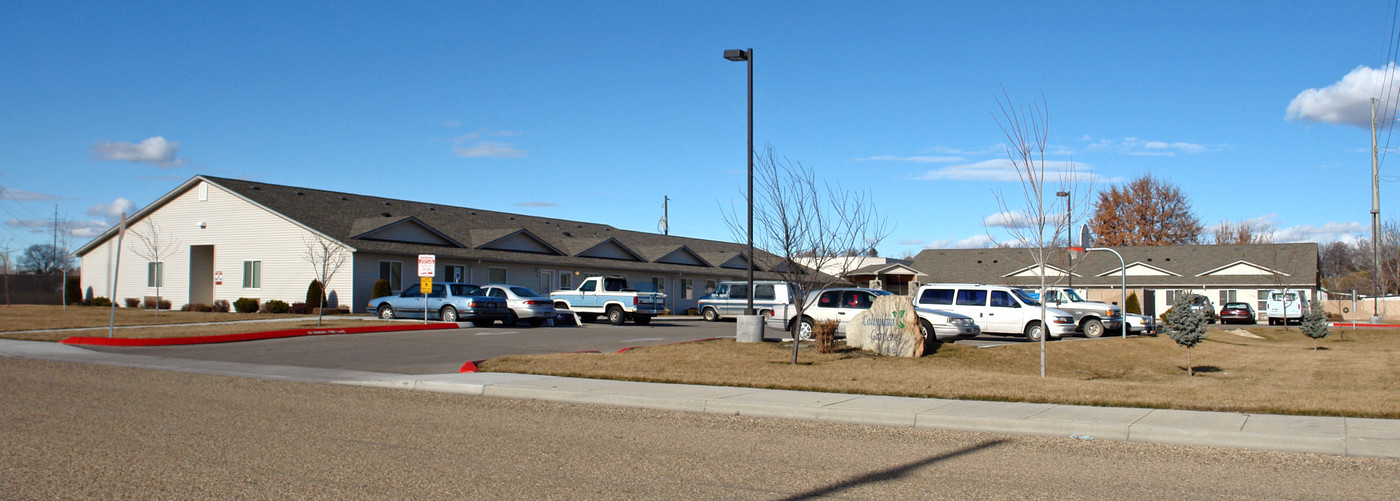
[997, 309]
[729, 299]
[1286, 305]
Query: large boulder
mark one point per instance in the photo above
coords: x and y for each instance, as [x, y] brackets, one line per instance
[890, 327]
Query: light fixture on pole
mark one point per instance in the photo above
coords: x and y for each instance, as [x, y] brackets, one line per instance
[747, 55]
[1069, 231]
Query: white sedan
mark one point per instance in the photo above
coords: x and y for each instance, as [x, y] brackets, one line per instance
[524, 304]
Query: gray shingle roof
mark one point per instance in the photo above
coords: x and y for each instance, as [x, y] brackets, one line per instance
[1296, 265]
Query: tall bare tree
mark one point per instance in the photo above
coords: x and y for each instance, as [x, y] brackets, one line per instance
[1037, 225]
[796, 216]
[326, 258]
[6, 266]
[154, 247]
[1145, 211]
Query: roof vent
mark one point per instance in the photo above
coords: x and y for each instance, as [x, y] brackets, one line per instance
[387, 203]
[256, 187]
[567, 234]
[432, 208]
[512, 218]
[343, 198]
[385, 214]
[473, 213]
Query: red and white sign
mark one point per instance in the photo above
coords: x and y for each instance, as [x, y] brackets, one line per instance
[426, 264]
[218, 278]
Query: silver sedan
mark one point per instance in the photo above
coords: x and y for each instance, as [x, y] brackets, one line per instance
[524, 304]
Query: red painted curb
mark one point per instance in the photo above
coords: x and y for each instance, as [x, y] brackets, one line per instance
[467, 367]
[1364, 325]
[250, 336]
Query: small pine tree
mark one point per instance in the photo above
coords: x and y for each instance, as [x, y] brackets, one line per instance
[1133, 306]
[1315, 322]
[315, 295]
[1185, 325]
[381, 289]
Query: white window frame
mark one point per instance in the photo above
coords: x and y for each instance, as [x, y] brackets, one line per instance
[252, 274]
[155, 274]
[491, 275]
[687, 288]
[391, 276]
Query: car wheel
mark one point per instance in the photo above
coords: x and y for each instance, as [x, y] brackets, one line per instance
[483, 323]
[1093, 328]
[511, 318]
[386, 312]
[449, 314]
[710, 315]
[641, 319]
[1034, 331]
[615, 316]
[536, 322]
[926, 329]
[804, 330]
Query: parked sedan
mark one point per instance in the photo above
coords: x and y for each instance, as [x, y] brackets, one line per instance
[449, 302]
[1141, 325]
[1241, 313]
[840, 304]
[522, 303]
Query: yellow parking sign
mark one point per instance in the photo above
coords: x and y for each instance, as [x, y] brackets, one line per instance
[425, 285]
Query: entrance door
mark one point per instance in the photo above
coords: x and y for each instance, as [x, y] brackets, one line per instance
[201, 274]
[546, 282]
[1149, 302]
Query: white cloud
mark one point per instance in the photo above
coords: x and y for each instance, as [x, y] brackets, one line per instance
[1321, 234]
[112, 212]
[973, 242]
[26, 196]
[155, 150]
[1004, 171]
[1137, 147]
[87, 229]
[1348, 101]
[911, 241]
[489, 149]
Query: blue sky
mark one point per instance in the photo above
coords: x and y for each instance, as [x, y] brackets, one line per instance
[596, 111]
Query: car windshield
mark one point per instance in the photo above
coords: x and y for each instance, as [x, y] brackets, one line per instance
[1026, 297]
[524, 292]
[1237, 306]
[1073, 296]
[882, 293]
[465, 290]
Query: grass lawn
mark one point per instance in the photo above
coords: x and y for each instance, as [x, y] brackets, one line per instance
[17, 318]
[1276, 373]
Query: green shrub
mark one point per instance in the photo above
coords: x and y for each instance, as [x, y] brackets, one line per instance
[1132, 306]
[300, 309]
[132, 302]
[315, 294]
[1315, 322]
[221, 306]
[381, 289]
[276, 306]
[246, 305]
[199, 307]
[101, 301]
[72, 291]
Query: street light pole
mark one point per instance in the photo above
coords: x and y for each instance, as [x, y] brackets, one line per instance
[747, 55]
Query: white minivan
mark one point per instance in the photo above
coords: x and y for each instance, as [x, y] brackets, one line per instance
[997, 309]
[1286, 305]
[729, 299]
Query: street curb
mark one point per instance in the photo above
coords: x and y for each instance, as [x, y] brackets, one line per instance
[250, 336]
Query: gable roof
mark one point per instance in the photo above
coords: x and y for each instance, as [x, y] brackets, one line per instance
[1262, 266]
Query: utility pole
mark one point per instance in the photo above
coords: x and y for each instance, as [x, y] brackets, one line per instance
[666, 215]
[1375, 219]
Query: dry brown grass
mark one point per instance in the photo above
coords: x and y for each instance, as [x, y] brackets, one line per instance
[16, 319]
[1278, 374]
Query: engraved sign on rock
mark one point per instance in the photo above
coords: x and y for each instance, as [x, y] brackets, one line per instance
[889, 327]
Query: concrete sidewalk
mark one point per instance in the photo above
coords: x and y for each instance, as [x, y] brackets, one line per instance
[1323, 435]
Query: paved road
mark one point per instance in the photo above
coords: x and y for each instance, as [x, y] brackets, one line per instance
[93, 431]
[437, 351]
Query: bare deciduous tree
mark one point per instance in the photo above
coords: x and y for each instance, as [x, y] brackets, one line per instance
[326, 257]
[1244, 232]
[1144, 212]
[1037, 226]
[154, 247]
[797, 216]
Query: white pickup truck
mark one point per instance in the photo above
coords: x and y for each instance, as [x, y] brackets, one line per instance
[612, 297]
[1093, 318]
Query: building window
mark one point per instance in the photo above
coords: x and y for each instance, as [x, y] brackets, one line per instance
[155, 274]
[455, 273]
[687, 289]
[1228, 296]
[658, 284]
[566, 281]
[709, 286]
[1262, 300]
[393, 272]
[496, 275]
[252, 274]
